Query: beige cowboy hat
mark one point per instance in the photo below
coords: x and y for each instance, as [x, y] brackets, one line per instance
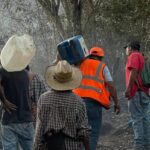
[63, 76]
[17, 53]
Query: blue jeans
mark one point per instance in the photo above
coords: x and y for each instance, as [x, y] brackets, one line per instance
[139, 109]
[18, 133]
[94, 112]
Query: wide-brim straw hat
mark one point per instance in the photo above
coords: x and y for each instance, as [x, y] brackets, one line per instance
[17, 53]
[63, 76]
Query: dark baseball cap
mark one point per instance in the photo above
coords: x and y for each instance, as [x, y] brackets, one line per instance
[133, 45]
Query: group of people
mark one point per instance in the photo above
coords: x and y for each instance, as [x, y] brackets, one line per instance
[68, 113]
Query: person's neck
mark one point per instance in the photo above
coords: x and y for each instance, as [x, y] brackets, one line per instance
[135, 51]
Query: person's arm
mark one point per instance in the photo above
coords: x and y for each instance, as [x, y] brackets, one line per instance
[133, 64]
[82, 126]
[111, 88]
[113, 94]
[43, 85]
[132, 79]
[38, 138]
[8, 106]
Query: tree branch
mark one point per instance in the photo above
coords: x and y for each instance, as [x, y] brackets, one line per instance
[51, 9]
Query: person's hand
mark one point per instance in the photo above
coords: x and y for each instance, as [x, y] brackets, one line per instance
[8, 106]
[117, 109]
[127, 92]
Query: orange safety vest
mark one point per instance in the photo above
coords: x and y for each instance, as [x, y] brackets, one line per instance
[93, 84]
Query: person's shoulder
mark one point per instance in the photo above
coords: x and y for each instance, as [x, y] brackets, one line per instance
[103, 65]
[36, 76]
[106, 69]
[136, 55]
[45, 96]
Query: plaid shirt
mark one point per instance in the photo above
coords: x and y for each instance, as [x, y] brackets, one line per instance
[61, 110]
[37, 87]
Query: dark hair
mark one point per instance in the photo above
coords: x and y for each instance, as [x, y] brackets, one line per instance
[134, 45]
[95, 57]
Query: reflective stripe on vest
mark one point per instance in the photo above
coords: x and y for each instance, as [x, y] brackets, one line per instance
[94, 78]
[91, 88]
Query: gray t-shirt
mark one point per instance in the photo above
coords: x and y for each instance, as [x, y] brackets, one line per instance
[107, 74]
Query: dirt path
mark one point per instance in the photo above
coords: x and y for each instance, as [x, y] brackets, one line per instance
[116, 134]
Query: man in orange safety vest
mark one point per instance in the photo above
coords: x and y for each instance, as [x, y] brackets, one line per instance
[96, 89]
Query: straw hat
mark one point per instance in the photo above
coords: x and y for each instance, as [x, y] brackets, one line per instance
[17, 53]
[63, 76]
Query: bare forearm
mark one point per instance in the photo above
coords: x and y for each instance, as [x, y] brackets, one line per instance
[113, 92]
[133, 77]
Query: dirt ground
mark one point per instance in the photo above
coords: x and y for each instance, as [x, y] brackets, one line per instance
[116, 133]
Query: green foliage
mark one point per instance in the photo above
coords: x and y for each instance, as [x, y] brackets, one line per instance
[129, 17]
